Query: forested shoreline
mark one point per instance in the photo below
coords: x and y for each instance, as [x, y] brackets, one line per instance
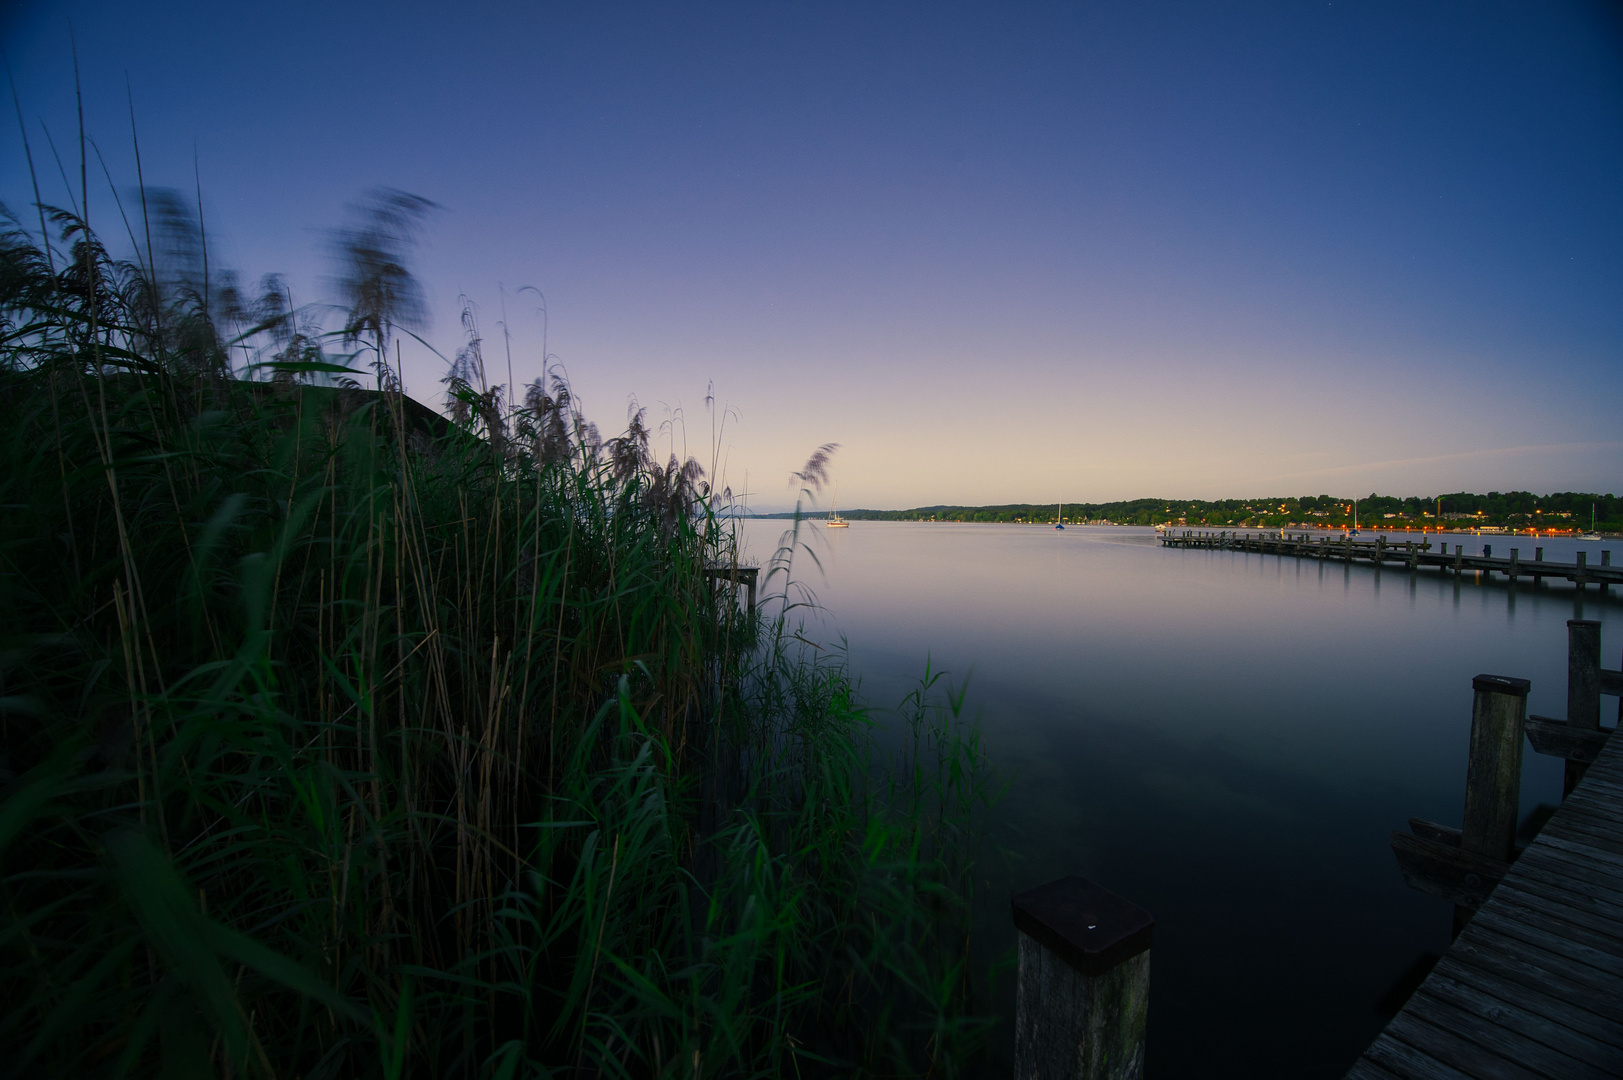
[1557, 512]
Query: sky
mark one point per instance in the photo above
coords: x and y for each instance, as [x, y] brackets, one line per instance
[998, 252]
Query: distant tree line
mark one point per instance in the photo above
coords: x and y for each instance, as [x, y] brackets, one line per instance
[1516, 509]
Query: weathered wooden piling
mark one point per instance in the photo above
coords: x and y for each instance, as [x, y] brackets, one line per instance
[1082, 996]
[1578, 737]
[1463, 865]
[1493, 778]
[1583, 687]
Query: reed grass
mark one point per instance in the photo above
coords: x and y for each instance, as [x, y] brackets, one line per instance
[343, 740]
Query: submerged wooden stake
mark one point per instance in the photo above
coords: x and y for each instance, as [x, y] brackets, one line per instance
[1084, 983]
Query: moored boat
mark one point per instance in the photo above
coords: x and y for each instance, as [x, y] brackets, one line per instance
[835, 521]
[1591, 534]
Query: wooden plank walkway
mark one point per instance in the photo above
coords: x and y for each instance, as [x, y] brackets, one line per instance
[1533, 986]
[1406, 554]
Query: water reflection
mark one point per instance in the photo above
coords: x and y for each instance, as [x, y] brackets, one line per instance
[1223, 739]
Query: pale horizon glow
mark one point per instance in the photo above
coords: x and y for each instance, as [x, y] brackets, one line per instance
[1021, 254]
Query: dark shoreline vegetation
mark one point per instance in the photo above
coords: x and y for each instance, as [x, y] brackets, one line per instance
[1517, 510]
[340, 739]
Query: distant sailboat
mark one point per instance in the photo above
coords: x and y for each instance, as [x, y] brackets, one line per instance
[1591, 534]
[835, 521]
[1059, 517]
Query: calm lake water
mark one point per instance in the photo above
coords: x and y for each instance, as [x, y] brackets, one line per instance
[1224, 738]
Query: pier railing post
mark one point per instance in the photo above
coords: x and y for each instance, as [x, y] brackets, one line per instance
[1082, 996]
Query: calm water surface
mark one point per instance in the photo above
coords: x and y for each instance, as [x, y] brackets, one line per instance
[1224, 738]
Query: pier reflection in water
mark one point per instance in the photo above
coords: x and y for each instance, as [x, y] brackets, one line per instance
[1225, 737]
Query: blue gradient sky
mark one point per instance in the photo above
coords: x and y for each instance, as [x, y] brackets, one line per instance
[998, 252]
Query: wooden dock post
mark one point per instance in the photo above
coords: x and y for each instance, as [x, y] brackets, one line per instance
[1493, 779]
[1083, 988]
[1463, 865]
[1578, 738]
[1583, 689]
[1493, 776]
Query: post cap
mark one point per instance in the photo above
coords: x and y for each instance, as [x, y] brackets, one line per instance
[1500, 684]
[1089, 927]
[1586, 623]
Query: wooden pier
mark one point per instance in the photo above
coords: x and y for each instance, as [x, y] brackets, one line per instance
[735, 575]
[1531, 989]
[1405, 554]
[1533, 985]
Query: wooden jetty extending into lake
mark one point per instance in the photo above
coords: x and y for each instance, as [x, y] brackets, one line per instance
[1532, 988]
[1533, 985]
[1404, 554]
[735, 575]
